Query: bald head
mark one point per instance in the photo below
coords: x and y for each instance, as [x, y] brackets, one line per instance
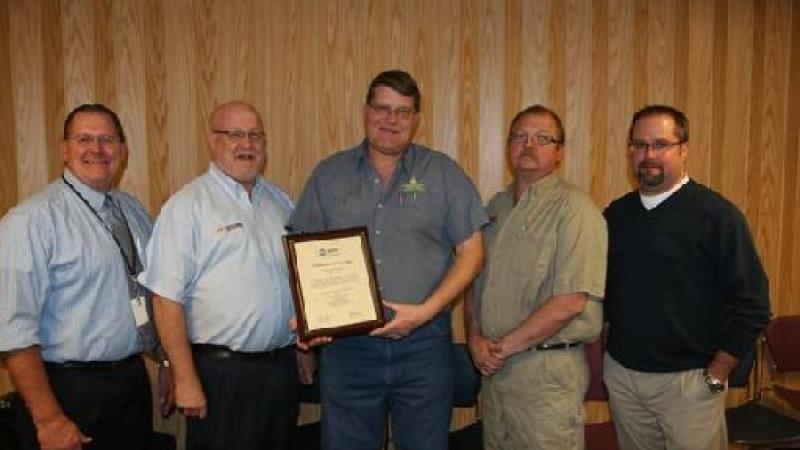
[221, 112]
[237, 142]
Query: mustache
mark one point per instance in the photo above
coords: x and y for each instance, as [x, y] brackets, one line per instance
[649, 165]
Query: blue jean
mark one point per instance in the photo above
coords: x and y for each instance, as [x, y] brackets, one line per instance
[362, 378]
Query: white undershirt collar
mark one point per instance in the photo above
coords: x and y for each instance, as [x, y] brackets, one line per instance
[651, 201]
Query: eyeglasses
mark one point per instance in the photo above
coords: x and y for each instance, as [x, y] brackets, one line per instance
[539, 138]
[239, 136]
[87, 140]
[659, 145]
[383, 111]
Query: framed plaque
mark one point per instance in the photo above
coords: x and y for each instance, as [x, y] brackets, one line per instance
[333, 281]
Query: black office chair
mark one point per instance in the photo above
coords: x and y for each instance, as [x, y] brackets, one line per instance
[467, 384]
[8, 427]
[755, 424]
[307, 436]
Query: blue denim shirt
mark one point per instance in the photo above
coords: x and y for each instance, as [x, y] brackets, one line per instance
[427, 209]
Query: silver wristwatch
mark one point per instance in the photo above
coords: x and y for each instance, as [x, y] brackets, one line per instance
[715, 385]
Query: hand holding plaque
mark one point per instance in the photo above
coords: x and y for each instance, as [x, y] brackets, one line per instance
[333, 282]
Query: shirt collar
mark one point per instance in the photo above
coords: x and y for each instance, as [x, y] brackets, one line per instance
[406, 161]
[232, 186]
[538, 188]
[93, 197]
[651, 201]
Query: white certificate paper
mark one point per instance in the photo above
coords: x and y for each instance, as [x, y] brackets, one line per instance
[333, 282]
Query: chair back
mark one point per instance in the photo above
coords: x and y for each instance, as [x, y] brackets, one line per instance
[467, 381]
[783, 340]
[741, 374]
[594, 355]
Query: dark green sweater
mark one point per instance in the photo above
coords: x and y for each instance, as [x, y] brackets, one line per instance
[684, 280]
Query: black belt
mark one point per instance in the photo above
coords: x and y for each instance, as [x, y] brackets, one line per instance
[94, 365]
[558, 346]
[223, 352]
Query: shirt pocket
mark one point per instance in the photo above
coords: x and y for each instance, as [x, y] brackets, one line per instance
[533, 251]
[421, 213]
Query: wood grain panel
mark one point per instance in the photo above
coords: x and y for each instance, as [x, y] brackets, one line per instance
[129, 43]
[641, 42]
[157, 143]
[534, 43]
[468, 114]
[232, 49]
[718, 88]
[558, 57]
[27, 93]
[78, 36]
[788, 300]
[733, 65]
[445, 75]
[185, 154]
[419, 39]
[204, 35]
[8, 139]
[699, 98]
[621, 60]
[491, 72]
[660, 51]
[105, 77]
[599, 94]
[53, 63]
[681, 44]
[732, 164]
[765, 187]
[514, 66]
[578, 94]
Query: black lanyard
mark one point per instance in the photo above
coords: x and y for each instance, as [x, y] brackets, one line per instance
[130, 265]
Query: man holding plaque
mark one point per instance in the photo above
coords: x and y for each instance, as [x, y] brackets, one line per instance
[217, 265]
[423, 217]
[539, 297]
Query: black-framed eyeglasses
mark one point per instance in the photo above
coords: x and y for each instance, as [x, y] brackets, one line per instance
[239, 136]
[659, 145]
[87, 140]
[539, 138]
[382, 111]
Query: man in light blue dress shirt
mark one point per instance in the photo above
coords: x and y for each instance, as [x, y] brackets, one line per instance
[222, 303]
[68, 323]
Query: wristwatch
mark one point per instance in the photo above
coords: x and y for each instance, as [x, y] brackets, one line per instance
[715, 385]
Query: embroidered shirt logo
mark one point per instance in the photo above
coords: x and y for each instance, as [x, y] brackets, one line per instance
[412, 188]
[229, 228]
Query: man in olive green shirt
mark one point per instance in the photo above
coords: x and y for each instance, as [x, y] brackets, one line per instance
[539, 296]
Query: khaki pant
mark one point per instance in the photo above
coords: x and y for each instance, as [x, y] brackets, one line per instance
[536, 402]
[672, 411]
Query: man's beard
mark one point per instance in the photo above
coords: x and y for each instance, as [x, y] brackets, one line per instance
[647, 177]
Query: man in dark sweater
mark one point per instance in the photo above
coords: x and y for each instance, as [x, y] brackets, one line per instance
[686, 295]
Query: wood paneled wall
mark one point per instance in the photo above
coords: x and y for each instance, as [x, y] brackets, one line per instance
[732, 65]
